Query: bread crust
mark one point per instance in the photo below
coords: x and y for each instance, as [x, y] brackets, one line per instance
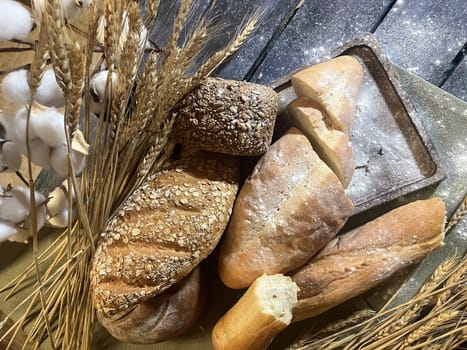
[335, 85]
[359, 260]
[227, 116]
[333, 146]
[287, 210]
[250, 324]
[162, 317]
[164, 229]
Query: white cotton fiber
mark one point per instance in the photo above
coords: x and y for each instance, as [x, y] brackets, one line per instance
[10, 157]
[7, 229]
[59, 160]
[49, 127]
[15, 21]
[49, 93]
[15, 87]
[12, 210]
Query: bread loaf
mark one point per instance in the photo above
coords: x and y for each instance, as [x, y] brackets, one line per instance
[335, 85]
[227, 116]
[357, 261]
[163, 231]
[288, 209]
[162, 317]
[332, 145]
[262, 312]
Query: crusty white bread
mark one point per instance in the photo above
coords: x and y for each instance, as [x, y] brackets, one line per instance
[164, 229]
[261, 313]
[162, 317]
[357, 261]
[287, 210]
[332, 145]
[335, 85]
[227, 116]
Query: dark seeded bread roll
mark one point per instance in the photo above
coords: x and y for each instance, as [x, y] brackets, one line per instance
[227, 116]
[357, 261]
[163, 231]
[287, 210]
[161, 317]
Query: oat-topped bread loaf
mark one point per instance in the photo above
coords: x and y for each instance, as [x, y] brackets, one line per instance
[227, 116]
[335, 85]
[287, 210]
[359, 260]
[164, 229]
[162, 317]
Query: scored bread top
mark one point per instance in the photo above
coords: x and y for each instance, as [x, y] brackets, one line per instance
[164, 229]
[335, 85]
[333, 146]
[289, 208]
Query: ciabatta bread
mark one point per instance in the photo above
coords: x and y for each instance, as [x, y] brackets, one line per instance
[162, 317]
[359, 260]
[227, 116]
[333, 146]
[164, 229]
[335, 85]
[287, 210]
[261, 313]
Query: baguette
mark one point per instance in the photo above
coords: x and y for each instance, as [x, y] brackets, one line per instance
[163, 231]
[227, 116]
[261, 313]
[335, 85]
[332, 145]
[357, 261]
[162, 317]
[288, 209]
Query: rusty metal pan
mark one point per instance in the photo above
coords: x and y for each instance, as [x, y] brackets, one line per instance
[393, 154]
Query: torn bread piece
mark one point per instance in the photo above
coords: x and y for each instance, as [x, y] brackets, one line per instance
[261, 313]
[335, 85]
[361, 259]
[332, 145]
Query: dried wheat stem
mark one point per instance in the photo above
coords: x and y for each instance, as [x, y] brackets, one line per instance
[459, 214]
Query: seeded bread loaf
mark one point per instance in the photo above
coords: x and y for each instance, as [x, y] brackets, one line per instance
[163, 231]
[357, 261]
[335, 85]
[261, 313]
[332, 145]
[162, 317]
[227, 116]
[287, 210]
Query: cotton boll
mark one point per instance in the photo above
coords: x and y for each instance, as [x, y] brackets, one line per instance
[17, 130]
[23, 195]
[49, 93]
[98, 83]
[15, 87]
[41, 215]
[15, 21]
[60, 220]
[49, 127]
[7, 229]
[59, 160]
[58, 201]
[40, 153]
[11, 209]
[10, 157]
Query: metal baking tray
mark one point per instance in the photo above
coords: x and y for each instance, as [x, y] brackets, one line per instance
[393, 154]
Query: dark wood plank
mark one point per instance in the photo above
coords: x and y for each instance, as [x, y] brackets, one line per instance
[317, 28]
[274, 13]
[457, 82]
[424, 36]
